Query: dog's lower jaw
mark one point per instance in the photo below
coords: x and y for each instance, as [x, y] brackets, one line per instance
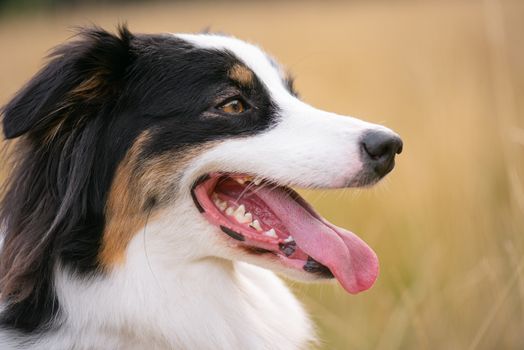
[209, 303]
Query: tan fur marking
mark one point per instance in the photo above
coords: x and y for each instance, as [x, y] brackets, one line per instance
[242, 74]
[124, 214]
[89, 88]
[132, 187]
[54, 130]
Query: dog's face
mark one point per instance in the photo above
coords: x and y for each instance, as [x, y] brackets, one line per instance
[195, 139]
[248, 138]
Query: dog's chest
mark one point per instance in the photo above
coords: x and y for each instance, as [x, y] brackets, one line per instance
[253, 310]
[257, 312]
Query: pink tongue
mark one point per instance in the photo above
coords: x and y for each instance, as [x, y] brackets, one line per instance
[349, 258]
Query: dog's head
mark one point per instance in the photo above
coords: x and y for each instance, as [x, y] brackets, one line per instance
[197, 138]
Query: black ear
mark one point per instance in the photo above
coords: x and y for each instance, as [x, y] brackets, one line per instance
[80, 74]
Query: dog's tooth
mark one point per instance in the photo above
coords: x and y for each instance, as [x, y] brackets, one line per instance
[257, 181]
[256, 225]
[241, 210]
[240, 214]
[240, 180]
[271, 233]
[244, 219]
[222, 205]
[230, 211]
[289, 239]
[238, 217]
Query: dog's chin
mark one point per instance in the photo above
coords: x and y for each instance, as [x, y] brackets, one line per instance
[271, 226]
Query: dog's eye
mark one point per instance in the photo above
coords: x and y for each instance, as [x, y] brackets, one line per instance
[235, 106]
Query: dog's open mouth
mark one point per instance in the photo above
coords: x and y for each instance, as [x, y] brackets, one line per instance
[268, 218]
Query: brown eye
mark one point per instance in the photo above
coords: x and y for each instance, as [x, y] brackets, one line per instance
[233, 107]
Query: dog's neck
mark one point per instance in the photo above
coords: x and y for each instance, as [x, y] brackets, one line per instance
[210, 304]
[161, 303]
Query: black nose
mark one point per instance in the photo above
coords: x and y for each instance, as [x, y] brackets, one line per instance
[379, 149]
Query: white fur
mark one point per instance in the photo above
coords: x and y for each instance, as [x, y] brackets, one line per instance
[308, 148]
[183, 286]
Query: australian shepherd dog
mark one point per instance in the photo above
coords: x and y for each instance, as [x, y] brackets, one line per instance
[149, 200]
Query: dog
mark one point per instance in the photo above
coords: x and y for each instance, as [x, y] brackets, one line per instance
[149, 202]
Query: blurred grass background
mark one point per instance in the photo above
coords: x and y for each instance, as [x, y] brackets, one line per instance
[448, 223]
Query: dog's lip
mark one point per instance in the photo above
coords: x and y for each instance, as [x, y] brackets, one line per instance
[319, 245]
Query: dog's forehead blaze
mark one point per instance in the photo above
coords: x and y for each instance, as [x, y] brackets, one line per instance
[135, 183]
[251, 56]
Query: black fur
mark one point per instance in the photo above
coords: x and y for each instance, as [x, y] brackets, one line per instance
[76, 120]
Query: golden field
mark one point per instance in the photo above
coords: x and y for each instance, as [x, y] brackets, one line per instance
[448, 76]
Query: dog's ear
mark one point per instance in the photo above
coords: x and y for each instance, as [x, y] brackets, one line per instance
[79, 75]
